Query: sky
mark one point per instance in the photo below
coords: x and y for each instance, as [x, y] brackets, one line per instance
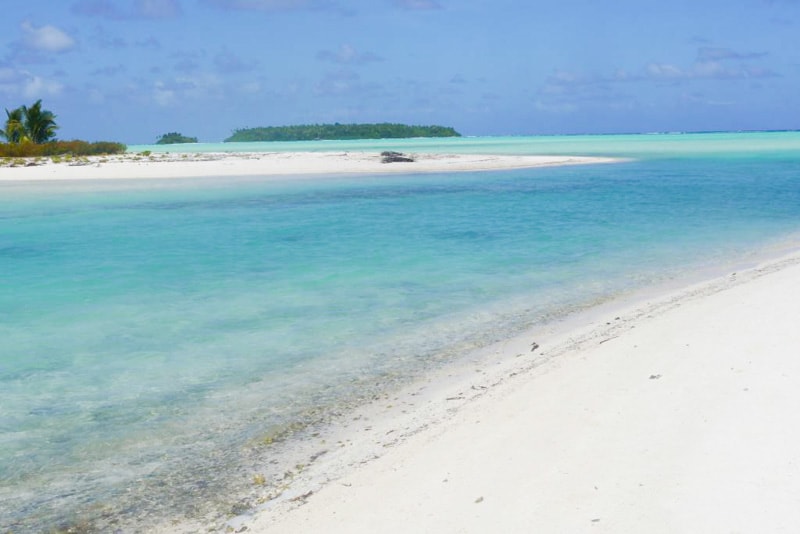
[132, 70]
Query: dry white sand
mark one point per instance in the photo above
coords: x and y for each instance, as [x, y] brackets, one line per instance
[130, 166]
[678, 415]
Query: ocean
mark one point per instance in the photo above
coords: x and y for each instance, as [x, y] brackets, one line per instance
[154, 331]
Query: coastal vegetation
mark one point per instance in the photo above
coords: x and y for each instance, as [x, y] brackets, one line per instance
[29, 124]
[313, 132]
[60, 148]
[175, 138]
[30, 132]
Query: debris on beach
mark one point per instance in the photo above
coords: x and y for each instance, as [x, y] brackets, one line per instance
[389, 156]
[302, 498]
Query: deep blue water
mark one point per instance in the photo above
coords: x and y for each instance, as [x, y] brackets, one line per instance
[148, 325]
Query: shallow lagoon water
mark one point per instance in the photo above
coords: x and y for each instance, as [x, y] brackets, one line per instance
[153, 329]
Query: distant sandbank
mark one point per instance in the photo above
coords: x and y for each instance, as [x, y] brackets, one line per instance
[132, 166]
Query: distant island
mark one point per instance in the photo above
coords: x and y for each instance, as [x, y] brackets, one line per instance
[313, 132]
[175, 138]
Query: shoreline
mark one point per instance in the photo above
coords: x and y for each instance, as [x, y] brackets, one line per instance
[475, 448]
[272, 164]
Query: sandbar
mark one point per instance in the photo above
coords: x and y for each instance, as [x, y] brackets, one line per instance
[218, 164]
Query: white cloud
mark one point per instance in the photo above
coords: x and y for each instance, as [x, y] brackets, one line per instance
[36, 87]
[163, 95]
[347, 54]
[46, 38]
[664, 71]
[711, 64]
[345, 82]
[569, 92]
[337, 83]
[706, 70]
[16, 83]
[197, 86]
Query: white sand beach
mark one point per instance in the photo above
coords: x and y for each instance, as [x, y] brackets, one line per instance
[130, 166]
[675, 415]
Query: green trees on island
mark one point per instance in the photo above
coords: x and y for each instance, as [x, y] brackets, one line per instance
[14, 130]
[30, 132]
[30, 124]
[312, 132]
[174, 138]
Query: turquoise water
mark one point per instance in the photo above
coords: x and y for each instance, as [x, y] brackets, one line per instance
[151, 331]
[724, 144]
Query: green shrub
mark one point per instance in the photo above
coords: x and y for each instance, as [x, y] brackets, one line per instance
[60, 148]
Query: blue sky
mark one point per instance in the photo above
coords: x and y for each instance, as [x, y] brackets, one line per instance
[131, 70]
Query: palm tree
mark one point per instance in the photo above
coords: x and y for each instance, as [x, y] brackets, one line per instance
[14, 131]
[31, 124]
[40, 124]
